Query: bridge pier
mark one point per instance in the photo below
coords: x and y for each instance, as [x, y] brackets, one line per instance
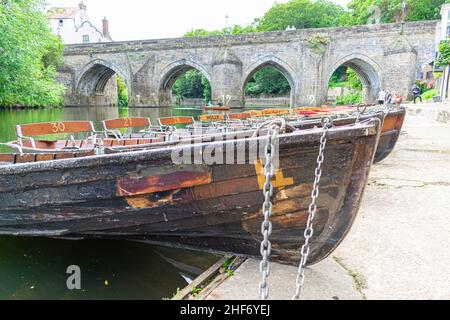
[226, 82]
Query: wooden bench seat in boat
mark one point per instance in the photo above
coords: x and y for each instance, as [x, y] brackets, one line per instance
[172, 124]
[211, 118]
[132, 141]
[239, 116]
[275, 112]
[113, 127]
[240, 119]
[28, 140]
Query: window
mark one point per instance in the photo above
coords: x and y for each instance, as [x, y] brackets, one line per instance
[85, 39]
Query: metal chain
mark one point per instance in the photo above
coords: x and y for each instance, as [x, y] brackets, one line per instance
[309, 231]
[266, 226]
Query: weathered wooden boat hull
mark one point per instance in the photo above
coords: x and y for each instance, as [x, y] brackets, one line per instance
[390, 133]
[142, 195]
[391, 129]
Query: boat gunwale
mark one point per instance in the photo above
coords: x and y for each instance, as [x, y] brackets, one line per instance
[309, 135]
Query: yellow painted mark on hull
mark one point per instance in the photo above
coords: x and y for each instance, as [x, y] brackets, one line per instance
[279, 181]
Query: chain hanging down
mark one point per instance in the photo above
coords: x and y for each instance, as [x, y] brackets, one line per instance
[309, 231]
[266, 226]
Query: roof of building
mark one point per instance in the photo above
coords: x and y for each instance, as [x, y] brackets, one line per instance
[63, 13]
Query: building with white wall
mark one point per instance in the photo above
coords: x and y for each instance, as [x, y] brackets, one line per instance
[73, 25]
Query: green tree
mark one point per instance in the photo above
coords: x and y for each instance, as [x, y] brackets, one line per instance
[268, 81]
[122, 92]
[301, 14]
[353, 80]
[236, 29]
[444, 54]
[29, 55]
[202, 33]
[207, 93]
[361, 11]
[193, 84]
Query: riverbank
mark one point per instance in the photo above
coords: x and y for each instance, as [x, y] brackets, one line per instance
[398, 247]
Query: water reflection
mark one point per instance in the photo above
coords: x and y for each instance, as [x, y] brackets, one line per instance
[33, 268]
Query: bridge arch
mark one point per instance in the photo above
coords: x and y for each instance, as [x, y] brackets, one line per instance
[368, 71]
[94, 78]
[170, 74]
[271, 61]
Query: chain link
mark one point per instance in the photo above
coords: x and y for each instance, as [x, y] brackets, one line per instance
[309, 231]
[266, 226]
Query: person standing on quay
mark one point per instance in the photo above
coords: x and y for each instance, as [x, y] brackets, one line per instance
[381, 96]
[416, 93]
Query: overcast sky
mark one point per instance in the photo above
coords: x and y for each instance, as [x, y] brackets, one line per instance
[154, 19]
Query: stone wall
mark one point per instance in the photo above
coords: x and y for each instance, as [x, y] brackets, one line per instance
[383, 56]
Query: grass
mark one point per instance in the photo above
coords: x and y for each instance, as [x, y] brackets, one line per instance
[428, 95]
[357, 278]
[195, 291]
[227, 267]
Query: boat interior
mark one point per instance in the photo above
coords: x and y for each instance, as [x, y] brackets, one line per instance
[37, 142]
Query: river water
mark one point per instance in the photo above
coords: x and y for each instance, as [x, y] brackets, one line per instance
[34, 268]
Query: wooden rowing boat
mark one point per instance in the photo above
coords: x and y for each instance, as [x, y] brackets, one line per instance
[217, 108]
[391, 129]
[143, 195]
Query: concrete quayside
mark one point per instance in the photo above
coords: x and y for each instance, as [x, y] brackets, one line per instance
[398, 247]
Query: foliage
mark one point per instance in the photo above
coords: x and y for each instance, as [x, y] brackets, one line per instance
[122, 92]
[193, 84]
[202, 33]
[236, 29]
[318, 44]
[345, 77]
[227, 267]
[352, 98]
[29, 55]
[301, 14]
[437, 75]
[339, 78]
[206, 89]
[430, 94]
[364, 11]
[195, 291]
[268, 81]
[444, 53]
[424, 88]
[353, 80]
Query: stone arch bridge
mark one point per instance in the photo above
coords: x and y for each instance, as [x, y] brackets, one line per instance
[384, 56]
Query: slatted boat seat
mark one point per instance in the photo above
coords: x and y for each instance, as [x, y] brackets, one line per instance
[112, 142]
[275, 112]
[212, 120]
[26, 136]
[114, 126]
[256, 113]
[239, 116]
[173, 121]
